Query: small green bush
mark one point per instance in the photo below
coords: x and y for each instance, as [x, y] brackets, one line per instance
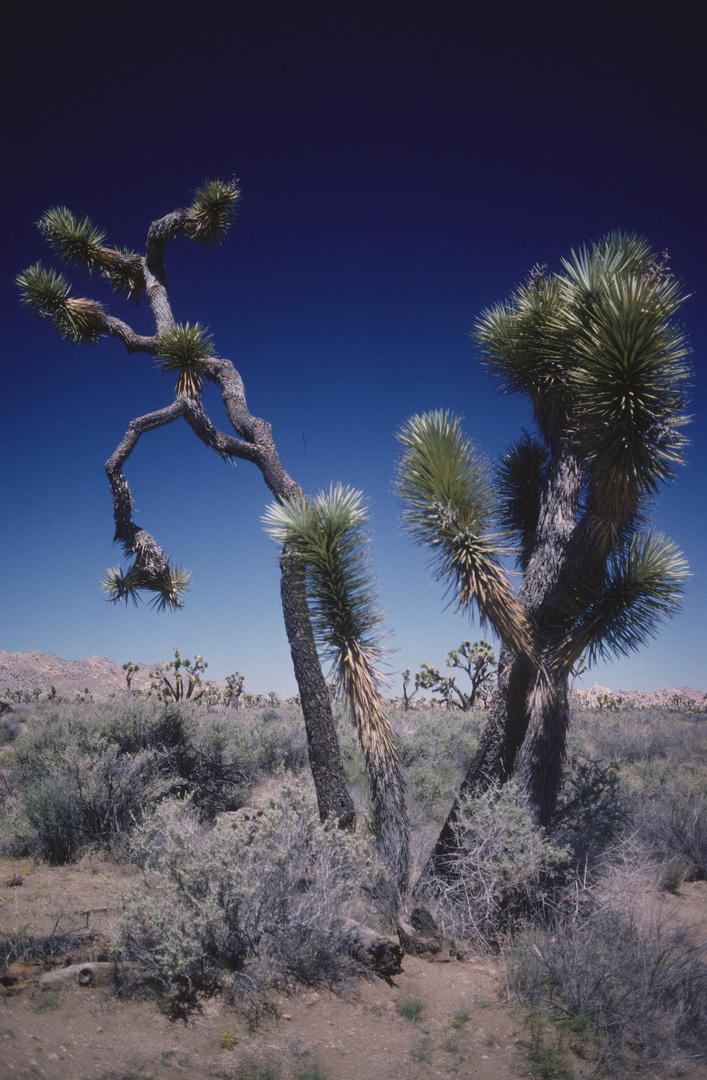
[410, 1007]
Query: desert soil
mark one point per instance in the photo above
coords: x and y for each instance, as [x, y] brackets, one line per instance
[84, 1033]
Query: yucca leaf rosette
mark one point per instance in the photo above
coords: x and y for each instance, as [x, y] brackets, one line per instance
[328, 533]
[169, 586]
[449, 506]
[212, 210]
[48, 294]
[182, 351]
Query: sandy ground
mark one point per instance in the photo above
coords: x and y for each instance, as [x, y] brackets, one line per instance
[84, 1033]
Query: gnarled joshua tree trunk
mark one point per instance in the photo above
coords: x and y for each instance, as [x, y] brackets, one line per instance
[187, 352]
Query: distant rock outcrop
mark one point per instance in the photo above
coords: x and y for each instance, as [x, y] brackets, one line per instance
[681, 699]
[33, 670]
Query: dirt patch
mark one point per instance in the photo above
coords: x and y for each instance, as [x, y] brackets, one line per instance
[434, 1020]
[464, 1028]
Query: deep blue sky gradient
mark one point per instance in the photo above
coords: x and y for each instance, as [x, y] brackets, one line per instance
[402, 167]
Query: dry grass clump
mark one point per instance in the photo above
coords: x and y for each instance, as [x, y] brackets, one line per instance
[638, 986]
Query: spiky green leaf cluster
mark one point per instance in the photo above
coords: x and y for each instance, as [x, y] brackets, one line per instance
[169, 588]
[328, 532]
[77, 243]
[80, 243]
[642, 585]
[48, 294]
[449, 506]
[519, 477]
[212, 210]
[183, 350]
[598, 352]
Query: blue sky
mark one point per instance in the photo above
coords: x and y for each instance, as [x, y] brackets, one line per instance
[401, 168]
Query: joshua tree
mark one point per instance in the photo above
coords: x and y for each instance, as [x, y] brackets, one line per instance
[185, 351]
[477, 660]
[177, 690]
[598, 353]
[328, 534]
[407, 698]
[234, 689]
[130, 670]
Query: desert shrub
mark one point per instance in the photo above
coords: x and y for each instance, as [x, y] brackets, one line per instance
[435, 748]
[85, 778]
[639, 987]
[640, 736]
[242, 908]
[503, 872]
[592, 808]
[671, 820]
[10, 726]
[93, 801]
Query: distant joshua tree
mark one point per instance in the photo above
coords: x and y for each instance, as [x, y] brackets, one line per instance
[130, 670]
[479, 663]
[186, 352]
[597, 351]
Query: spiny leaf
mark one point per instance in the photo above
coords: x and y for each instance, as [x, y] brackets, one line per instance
[183, 349]
[212, 210]
[169, 587]
[47, 293]
[448, 508]
[618, 612]
[77, 243]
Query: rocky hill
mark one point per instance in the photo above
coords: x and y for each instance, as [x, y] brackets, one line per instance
[33, 670]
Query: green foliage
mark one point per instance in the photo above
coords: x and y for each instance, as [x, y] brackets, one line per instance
[519, 479]
[170, 588]
[411, 1007]
[449, 506]
[328, 533]
[80, 243]
[212, 210]
[47, 294]
[183, 350]
[545, 1049]
[77, 243]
